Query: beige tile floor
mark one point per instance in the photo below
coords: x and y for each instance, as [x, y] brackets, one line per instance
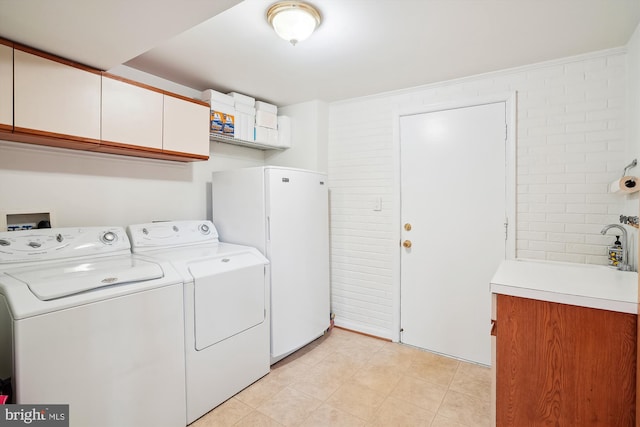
[348, 379]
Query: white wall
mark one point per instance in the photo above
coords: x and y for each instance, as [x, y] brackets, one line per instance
[309, 123]
[571, 143]
[83, 189]
[633, 118]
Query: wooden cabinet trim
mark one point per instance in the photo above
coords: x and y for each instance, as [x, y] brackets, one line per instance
[53, 135]
[50, 139]
[185, 98]
[57, 59]
[186, 155]
[153, 88]
[33, 136]
[129, 146]
[131, 82]
[111, 147]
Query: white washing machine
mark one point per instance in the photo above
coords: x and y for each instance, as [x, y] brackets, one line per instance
[85, 323]
[226, 296]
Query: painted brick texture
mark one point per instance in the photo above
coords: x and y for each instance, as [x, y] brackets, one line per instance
[571, 144]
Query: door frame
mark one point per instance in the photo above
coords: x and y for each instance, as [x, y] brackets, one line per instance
[510, 100]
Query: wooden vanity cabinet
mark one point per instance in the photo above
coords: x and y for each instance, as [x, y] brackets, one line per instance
[563, 365]
[55, 99]
[6, 86]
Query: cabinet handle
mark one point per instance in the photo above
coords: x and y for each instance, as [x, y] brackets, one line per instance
[494, 327]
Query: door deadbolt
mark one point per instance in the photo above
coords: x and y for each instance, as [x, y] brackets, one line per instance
[406, 244]
[407, 227]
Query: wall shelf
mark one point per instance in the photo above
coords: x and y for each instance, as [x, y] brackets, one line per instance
[241, 142]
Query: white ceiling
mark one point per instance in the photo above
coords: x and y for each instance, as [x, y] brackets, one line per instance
[362, 46]
[103, 33]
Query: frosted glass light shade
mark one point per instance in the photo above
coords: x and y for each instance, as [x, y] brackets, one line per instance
[293, 21]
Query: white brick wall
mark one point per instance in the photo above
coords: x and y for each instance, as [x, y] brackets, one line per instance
[633, 112]
[571, 143]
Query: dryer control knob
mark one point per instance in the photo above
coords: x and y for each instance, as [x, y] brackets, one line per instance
[204, 229]
[109, 237]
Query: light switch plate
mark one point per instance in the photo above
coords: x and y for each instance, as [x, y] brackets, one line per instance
[377, 204]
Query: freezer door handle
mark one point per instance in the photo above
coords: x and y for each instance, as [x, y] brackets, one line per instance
[268, 229]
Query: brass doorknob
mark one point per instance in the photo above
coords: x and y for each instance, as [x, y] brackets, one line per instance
[406, 244]
[407, 227]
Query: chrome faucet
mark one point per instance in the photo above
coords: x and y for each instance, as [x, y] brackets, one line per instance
[624, 265]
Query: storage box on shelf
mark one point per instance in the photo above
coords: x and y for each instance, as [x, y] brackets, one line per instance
[255, 122]
[223, 112]
[245, 115]
[245, 118]
[266, 130]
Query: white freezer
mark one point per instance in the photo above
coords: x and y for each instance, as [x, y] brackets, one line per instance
[284, 213]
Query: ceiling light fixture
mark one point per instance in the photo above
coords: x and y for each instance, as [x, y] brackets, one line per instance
[294, 21]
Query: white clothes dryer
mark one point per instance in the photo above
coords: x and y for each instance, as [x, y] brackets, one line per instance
[226, 296]
[85, 323]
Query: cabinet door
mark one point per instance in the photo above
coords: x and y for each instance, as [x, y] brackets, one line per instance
[186, 126]
[563, 365]
[52, 97]
[6, 87]
[131, 114]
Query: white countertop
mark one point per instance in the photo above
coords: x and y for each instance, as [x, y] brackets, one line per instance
[583, 285]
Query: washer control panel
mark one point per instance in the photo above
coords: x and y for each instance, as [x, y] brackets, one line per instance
[59, 243]
[109, 238]
[158, 235]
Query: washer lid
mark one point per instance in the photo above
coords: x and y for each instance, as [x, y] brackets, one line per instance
[70, 278]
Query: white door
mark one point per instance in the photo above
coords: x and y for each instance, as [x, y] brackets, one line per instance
[453, 180]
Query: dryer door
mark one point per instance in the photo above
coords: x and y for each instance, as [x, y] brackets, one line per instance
[229, 297]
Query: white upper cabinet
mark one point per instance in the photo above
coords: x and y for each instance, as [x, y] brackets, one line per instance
[55, 97]
[6, 87]
[131, 114]
[186, 126]
[51, 101]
